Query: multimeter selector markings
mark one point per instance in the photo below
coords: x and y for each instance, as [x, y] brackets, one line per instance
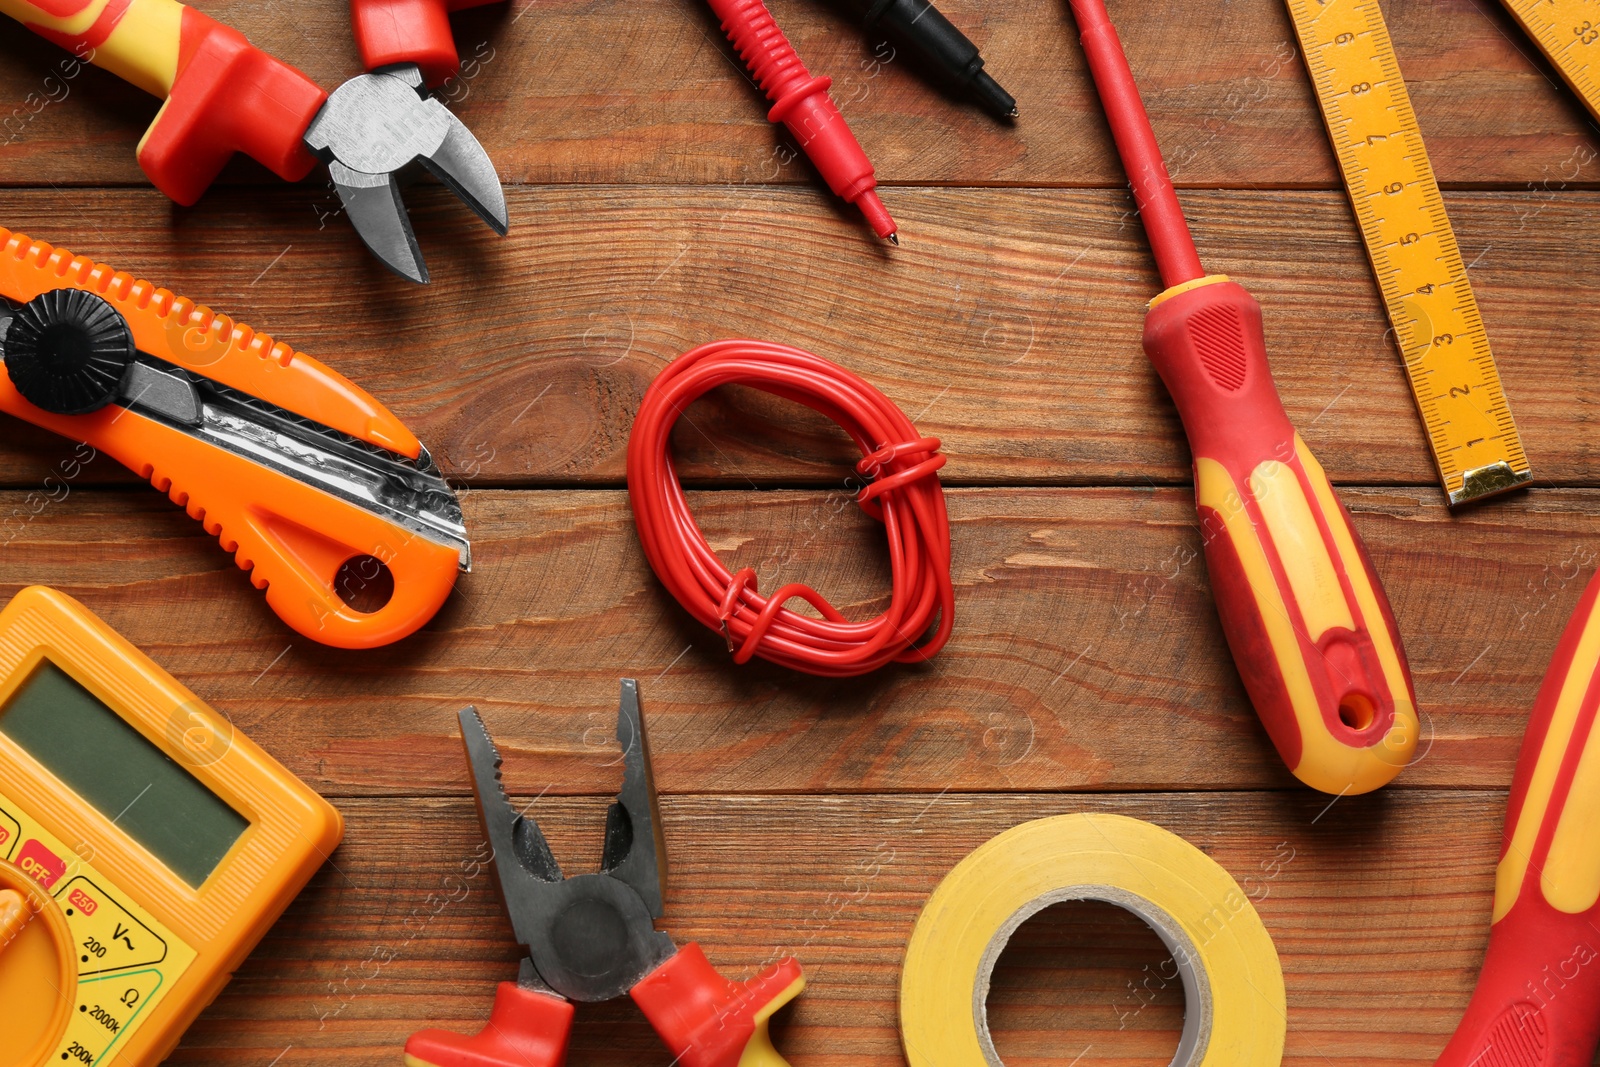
[67, 351]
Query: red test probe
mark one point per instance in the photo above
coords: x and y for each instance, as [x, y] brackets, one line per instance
[902, 492]
[802, 103]
[1304, 613]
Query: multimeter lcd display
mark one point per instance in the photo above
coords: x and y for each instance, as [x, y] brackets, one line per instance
[107, 762]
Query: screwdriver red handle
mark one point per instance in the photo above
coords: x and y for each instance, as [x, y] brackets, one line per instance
[802, 103]
[409, 31]
[223, 94]
[526, 1028]
[708, 1021]
[1304, 612]
[1537, 1003]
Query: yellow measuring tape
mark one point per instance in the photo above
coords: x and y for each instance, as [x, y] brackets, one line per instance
[1234, 1014]
[1413, 250]
[1568, 32]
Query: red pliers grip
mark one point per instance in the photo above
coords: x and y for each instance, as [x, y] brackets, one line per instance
[704, 1019]
[223, 95]
[409, 31]
[592, 937]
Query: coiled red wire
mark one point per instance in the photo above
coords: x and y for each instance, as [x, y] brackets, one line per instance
[903, 493]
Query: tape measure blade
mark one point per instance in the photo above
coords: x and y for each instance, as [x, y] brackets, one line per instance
[1568, 33]
[1411, 246]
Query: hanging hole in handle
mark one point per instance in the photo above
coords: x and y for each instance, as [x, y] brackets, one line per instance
[1357, 711]
[364, 583]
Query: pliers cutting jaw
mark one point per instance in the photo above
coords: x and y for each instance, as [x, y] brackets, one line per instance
[592, 937]
[376, 125]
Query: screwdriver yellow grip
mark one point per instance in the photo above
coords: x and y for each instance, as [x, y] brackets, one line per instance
[1304, 613]
[138, 42]
[1537, 1002]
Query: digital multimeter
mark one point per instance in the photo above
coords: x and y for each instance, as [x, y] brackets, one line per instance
[151, 844]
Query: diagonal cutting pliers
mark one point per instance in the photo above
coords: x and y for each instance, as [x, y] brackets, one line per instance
[592, 937]
[223, 95]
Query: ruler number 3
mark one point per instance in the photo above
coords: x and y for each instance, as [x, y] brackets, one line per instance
[1588, 33]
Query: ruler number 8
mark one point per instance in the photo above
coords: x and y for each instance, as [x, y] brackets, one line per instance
[1360, 87]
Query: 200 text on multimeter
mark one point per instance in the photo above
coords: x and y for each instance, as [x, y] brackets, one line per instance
[144, 846]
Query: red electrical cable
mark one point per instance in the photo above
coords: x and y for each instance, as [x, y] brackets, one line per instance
[1174, 250]
[903, 493]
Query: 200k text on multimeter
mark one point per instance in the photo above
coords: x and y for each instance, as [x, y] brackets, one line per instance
[145, 847]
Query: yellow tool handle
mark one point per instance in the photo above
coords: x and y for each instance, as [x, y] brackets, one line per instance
[1302, 607]
[1539, 990]
[138, 43]
[223, 94]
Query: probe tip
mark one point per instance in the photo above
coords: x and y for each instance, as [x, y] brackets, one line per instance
[894, 239]
[995, 100]
[877, 215]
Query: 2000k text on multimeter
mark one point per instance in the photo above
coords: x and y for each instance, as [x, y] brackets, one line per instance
[145, 846]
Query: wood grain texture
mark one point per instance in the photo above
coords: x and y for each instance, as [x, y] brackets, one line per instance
[607, 91]
[654, 208]
[1009, 326]
[1380, 922]
[1085, 631]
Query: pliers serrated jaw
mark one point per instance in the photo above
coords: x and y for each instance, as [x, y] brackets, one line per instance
[592, 937]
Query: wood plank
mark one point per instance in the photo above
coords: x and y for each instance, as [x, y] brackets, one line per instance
[1379, 907]
[558, 95]
[1009, 326]
[1086, 652]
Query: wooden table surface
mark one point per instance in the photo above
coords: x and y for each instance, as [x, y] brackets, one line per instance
[653, 208]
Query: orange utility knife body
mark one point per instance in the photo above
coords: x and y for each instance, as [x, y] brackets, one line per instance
[330, 503]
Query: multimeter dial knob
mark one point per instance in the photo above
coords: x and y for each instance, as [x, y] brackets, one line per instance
[67, 350]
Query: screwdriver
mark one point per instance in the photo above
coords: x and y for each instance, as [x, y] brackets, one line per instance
[945, 51]
[1537, 1003]
[802, 103]
[1305, 616]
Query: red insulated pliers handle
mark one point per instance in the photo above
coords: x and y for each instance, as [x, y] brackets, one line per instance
[409, 31]
[704, 1020]
[223, 94]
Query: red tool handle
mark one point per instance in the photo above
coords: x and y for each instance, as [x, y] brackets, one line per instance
[802, 103]
[223, 94]
[1304, 613]
[1306, 618]
[1537, 1003]
[409, 31]
[708, 1021]
[525, 1029]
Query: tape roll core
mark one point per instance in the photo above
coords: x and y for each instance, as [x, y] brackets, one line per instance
[1234, 1012]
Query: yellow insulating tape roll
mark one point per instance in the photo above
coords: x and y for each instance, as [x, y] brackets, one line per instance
[1232, 984]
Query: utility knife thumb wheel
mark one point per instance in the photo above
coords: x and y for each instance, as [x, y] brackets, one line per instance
[67, 350]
